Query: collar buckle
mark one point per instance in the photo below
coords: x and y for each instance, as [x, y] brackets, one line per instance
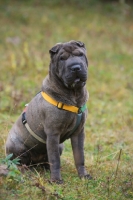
[80, 110]
[60, 105]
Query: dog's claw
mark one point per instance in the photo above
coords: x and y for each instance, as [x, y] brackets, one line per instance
[88, 176]
[57, 181]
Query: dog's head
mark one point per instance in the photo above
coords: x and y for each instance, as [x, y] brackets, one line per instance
[69, 63]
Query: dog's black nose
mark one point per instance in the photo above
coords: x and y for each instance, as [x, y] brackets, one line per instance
[76, 68]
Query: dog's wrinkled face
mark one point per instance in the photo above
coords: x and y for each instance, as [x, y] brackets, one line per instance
[69, 62]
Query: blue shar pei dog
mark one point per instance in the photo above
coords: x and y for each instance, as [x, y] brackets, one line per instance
[55, 114]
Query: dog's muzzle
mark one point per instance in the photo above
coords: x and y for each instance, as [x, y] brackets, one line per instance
[77, 77]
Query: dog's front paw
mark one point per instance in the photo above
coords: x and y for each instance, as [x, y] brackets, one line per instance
[87, 176]
[58, 181]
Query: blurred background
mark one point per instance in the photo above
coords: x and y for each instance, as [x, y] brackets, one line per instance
[29, 28]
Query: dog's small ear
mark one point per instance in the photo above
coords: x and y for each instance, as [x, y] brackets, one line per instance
[55, 49]
[80, 44]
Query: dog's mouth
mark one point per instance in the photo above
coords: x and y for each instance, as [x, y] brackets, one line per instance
[77, 80]
[76, 83]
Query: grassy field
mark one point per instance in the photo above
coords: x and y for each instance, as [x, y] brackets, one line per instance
[27, 31]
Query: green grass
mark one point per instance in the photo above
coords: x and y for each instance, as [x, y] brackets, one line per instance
[28, 31]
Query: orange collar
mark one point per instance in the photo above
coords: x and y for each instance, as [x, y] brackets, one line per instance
[63, 106]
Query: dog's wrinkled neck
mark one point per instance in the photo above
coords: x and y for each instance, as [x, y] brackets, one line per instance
[62, 94]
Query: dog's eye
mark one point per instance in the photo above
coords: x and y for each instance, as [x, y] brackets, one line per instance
[64, 56]
[80, 54]
[76, 52]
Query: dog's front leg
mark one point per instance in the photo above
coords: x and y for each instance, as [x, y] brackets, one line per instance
[54, 157]
[77, 142]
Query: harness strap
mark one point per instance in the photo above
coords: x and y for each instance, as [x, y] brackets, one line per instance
[59, 105]
[24, 121]
[79, 117]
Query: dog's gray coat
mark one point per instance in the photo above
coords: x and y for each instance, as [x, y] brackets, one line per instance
[64, 83]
